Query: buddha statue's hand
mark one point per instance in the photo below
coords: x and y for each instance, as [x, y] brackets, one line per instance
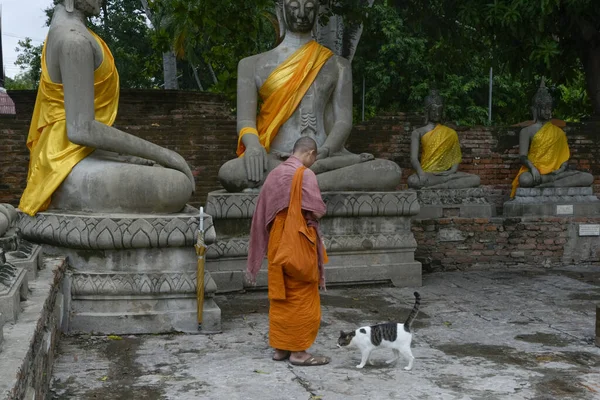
[422, 178]
[322, 152]
[537, 177]
[176, 161]
[560, 170]
[255, 161]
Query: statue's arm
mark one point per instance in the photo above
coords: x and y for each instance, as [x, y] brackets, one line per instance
[415, 141]
[342, 108]
[524, 140]
[76, 61]
[255, 158]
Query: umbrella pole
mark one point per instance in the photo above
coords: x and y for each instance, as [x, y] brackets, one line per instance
[200, 251]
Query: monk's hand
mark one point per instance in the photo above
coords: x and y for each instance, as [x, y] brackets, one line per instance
[322, 152]
[255, 160]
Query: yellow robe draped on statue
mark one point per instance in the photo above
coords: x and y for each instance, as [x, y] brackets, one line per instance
[283, 90]
[549, 149]
[52, 155]
[440, 149]
[295, 305]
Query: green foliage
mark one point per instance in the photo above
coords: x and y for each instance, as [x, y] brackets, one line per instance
[20, 82]
[213, 35]
[29, 60]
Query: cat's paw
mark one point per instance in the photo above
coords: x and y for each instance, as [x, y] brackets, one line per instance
[390, 361]
[407, 368]
[359, 366]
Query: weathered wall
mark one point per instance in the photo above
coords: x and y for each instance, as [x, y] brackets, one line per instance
[201, 127]
[460, 243]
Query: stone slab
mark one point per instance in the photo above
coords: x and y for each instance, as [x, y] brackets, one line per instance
[11, 297]
[598, 325]
[454, 203]
[29, 346]
[505, 333]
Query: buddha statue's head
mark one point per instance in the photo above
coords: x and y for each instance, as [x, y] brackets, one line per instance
[434, 107]
[542, 104]
[87, 7]
[299, 16]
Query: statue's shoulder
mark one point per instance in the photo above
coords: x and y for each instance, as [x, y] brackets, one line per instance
[530, 130]
[254, 59]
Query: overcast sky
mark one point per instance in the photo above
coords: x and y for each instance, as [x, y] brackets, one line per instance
[20, 19]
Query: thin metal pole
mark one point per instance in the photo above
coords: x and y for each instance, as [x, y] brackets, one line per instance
[490, 98]
[363, 100]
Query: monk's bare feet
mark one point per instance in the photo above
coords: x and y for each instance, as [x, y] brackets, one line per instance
[281, 355]
[305, 359]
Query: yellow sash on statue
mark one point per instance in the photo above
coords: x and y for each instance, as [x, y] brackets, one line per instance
[549, 149]
[52, 155]
[283, 90]
[440, 149]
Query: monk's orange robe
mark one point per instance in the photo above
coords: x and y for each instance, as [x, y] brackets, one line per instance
[295, 305]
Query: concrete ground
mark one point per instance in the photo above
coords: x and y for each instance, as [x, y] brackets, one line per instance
[494, 334]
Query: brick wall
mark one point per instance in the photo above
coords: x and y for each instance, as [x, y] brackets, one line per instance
[459, 243]
[201, 127]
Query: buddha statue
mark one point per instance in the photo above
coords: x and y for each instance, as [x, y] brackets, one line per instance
[78, 161]
[305, 90]
[440, 155]
[544, 151]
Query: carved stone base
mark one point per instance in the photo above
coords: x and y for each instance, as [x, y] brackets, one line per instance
[12, 295]
[563, 202]
[367, 236]
[28, 256]
[129, 274]
[448, 203]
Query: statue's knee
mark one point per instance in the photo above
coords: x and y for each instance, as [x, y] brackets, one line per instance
[526, 179]
[413, 181]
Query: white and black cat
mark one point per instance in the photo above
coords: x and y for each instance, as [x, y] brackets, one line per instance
[392, 335]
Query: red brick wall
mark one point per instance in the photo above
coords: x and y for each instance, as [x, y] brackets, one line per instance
[545, 242]
[201, 127]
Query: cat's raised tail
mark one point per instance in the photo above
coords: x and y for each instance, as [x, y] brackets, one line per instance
[413, 313]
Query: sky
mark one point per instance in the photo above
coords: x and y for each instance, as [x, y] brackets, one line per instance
[20, 19]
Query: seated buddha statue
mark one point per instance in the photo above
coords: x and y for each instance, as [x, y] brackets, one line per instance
[78, 161]
[437, 165]
[304, 90]
[544, 151]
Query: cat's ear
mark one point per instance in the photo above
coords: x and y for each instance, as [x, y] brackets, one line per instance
[342, 334]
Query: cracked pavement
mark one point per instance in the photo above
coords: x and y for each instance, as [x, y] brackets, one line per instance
[492, 334]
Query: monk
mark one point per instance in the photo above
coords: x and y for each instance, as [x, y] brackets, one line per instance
[289, 193]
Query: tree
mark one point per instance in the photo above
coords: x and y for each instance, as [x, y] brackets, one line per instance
[20, 82]
[29, 60]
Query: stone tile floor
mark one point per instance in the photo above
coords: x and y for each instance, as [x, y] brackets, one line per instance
[493, 334]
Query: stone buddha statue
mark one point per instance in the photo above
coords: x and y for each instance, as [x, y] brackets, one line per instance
[78, 161]
[437, 165]
[544, 151]
[305, 90]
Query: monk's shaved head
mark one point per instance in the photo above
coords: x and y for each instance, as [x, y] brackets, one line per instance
[304, 145]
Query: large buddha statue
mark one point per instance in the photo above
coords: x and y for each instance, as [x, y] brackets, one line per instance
[304, 90]
[78, 162]
[544, 151]
[437, 165]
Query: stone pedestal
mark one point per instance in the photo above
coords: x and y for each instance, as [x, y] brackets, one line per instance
[27, 256]
[448, 203]
[562, 202]
[367, 237]
[129, 273]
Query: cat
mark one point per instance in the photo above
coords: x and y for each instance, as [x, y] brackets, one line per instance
[392, 335]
